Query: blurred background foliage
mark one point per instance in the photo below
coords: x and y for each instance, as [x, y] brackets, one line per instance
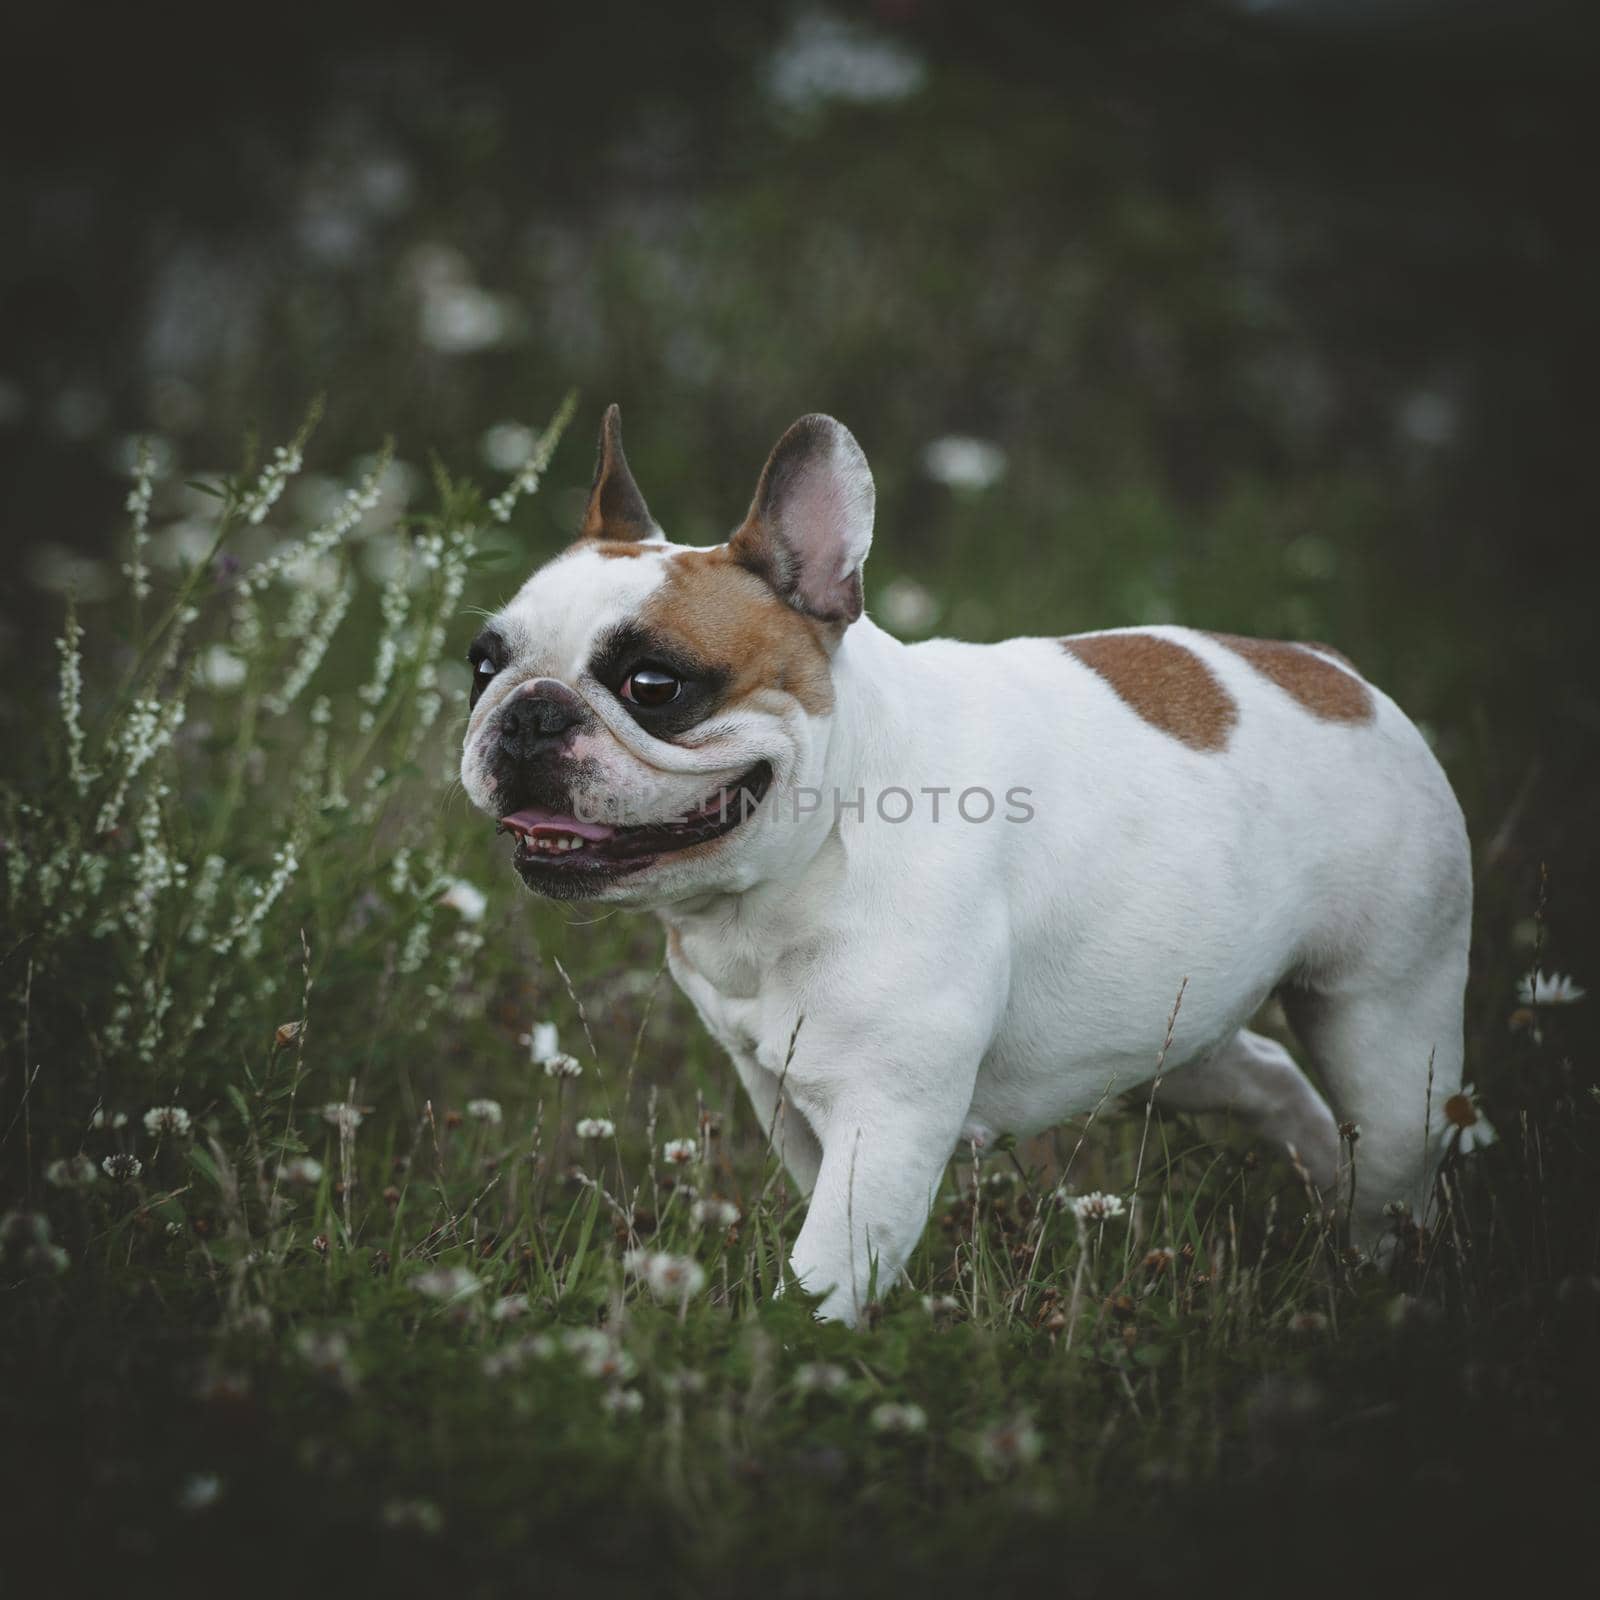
[1270, 316]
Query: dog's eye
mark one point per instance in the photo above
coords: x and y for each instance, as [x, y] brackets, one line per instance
[651, 686]
[483, 669]
[486, 670]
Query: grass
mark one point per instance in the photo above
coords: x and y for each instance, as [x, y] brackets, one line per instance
[373, 1311]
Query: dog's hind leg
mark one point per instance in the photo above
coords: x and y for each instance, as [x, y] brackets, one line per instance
[1255, 1079]
[1390, 1053]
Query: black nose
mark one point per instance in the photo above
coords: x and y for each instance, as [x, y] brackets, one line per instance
[538, 718]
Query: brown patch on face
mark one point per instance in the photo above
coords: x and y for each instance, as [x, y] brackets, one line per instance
[617, 549]
[726, 615]
[1167, 685]
[1308, 674]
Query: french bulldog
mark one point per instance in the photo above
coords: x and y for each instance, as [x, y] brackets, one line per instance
[929, 894]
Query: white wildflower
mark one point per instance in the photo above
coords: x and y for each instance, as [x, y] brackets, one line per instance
[486, 1111]
[1465, 1123]
[677, 1279]
[679, 1152]
[543, 1042]
[301, 1172]
[508, 1308]
[825, 58]
[74, 1172]
[418, 1516]
[1097, 1207]
[960, 462]
[172, 1120]
[714, 1213]
[71, 694]
[563, 1066]
[467, 900]
[122, 1168]
[896, 1417]
[200, 1492]
[940, 1305]
[820, 1377]
[218, 669]
[905, 606]
[1004, 1446]
[596, 1128]
[263, 496]
[533, 469]
[103, 1119]
[599, 1355]
[448, 1283]
[346, 1118]
[138, 507]
[622, 1402]
[1552, 989]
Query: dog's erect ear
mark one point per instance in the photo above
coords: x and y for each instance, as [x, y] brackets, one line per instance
[809, 526]
[616, 508]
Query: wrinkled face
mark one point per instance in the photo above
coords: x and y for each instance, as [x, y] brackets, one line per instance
[640, 707]
[633, 707]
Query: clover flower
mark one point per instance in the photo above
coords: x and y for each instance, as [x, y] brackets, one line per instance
[940, 1305]
[820, 1377]
[1097, 1207]
[121, 1167]
[676, 1279]
[485, 1111]
[346, 1118]
[1553, 989]
[543, 1041]
[622, 1402]
[714, 1213]
[1004, 1446]
[562, 1066]
[327, 1352]
[679, 1151]
[1466, 1125]
[599, 1355]
[596, 1128]
[467, 900]
[508, 1308]
[166, 1119]
[898, 1417]
[103, 1119]
[302, 1172]
[447, 1283]
[73, 1172]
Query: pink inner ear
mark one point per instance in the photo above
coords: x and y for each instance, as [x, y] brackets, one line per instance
[811, 524]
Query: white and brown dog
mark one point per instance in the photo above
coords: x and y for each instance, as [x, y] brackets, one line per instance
[978, 873]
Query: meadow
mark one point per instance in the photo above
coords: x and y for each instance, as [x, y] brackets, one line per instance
[369, 1219]
[370, 1226]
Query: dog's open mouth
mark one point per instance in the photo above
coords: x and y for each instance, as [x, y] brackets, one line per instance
[553, 844]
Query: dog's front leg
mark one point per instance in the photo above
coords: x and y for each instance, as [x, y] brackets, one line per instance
[883, 1155]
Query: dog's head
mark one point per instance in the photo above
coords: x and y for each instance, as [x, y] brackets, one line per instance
[638, 703]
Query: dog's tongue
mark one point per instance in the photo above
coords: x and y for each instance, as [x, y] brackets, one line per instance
[533, 821]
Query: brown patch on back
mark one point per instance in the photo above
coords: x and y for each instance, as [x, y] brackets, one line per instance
[1307, 673]
[1166, 684]
[725, 614]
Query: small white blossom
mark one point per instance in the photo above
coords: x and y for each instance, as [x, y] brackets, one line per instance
[820, 1377]
[714, 1213]
[680, 1151]
[563, 1066]
[676, 1279]
[122, 1168]
[596, 1128]
[1553, 989]
[346, 1118]
[301, 1172]
[486, 1111]
[508, 1308]
[447, 1283]
[1465, 1122]
[103, 1119]
[467, 900]
[74, 1172]
[200, 1492]
[1005, 1446]
[599, 1355]
[166, 1119]
[940, 1305]
[327, 1352]
[960, 462]
[543, 1042]
[1096, 1207]
[895, 1417]
[622, 1402]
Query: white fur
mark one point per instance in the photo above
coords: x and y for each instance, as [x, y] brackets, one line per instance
[956, 979]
